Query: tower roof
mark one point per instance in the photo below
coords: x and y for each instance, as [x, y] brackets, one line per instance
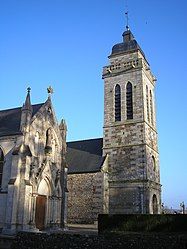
[129, 44]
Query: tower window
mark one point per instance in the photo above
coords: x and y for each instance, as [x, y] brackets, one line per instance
[1, 166]
[147, 102]
[117, 103]
[153, 163]
[129, 101]
[151, 106]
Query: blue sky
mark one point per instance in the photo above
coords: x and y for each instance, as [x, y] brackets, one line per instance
[66, 43]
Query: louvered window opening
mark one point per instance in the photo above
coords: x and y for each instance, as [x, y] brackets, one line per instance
[1, 166]
[129, 101]
[147, 101]
[151, 107]
[117, 103]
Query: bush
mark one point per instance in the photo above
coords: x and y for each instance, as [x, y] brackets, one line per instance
[142, 223]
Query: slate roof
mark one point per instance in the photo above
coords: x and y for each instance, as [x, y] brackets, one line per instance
[10, 120]
[85, 156]
[125, 46]
[128, 44]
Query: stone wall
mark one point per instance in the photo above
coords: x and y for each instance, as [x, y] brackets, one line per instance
[85, 197]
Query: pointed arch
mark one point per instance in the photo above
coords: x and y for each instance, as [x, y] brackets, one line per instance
[155, 204]
[49, 137]
[1, 166]
[153, 163]
[37, 142]
[147, 102]
[44, 187]
[129, 101]
[151, 106]
[117, 103]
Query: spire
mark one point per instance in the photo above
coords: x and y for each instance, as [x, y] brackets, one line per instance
[129, 43]
[27, 105]
[26, 112]
[127, 35]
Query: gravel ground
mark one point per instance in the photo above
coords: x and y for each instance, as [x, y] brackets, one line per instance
[80, 241]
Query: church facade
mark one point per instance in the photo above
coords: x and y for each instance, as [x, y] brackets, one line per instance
[32, 168]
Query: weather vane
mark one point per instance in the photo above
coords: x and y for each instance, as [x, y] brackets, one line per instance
[127, 15]
[28, 89]
[127, 18]
[50, 90]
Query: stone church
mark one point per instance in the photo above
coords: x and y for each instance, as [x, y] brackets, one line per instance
[32, 168]
[46, 182]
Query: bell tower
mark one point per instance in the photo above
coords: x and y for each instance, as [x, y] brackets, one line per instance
[130, 135]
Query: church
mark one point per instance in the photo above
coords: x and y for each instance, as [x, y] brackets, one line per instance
[46, 182]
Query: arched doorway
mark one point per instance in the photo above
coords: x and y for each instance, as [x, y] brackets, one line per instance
[155, 204]
[41, 205]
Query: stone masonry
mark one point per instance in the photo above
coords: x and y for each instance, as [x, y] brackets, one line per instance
[131, 144]
[32, 193]
[85, 200]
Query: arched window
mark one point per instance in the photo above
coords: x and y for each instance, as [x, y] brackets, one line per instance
[54, 150]
[153, 163]
[49, 138]
[151, 106]
[1, 166]
[117, 103]
[36, 142]
[147, 102]
[155, 204]
[129, 101]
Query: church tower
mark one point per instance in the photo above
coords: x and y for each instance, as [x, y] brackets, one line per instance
[130, 135]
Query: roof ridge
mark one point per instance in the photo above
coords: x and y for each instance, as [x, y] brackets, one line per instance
[16, 108]
[89, 139]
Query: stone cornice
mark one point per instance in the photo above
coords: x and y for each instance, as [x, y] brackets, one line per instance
[129, 122]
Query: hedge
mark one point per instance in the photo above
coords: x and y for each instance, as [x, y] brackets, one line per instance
[142, 223]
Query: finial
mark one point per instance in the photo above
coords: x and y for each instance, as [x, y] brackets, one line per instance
[127, 17]
[27, 105]
[50, 90]
[28, 89]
